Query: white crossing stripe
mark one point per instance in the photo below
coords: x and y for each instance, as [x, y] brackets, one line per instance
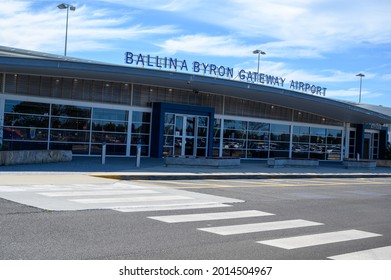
[318, 239]
[382, 253]
[259, 227]
[210, 216]
[131, 199]
[171, 206]
[96, 192]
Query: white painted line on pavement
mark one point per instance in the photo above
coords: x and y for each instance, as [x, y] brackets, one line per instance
[131, 199]
[382, 253]
[318, 239]
[95, 193]
[259, 227]
[156, 207]
[210, 216]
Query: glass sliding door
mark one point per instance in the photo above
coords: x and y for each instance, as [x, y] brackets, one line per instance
[185, 135]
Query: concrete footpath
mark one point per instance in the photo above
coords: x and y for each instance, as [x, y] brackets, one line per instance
[155, 169]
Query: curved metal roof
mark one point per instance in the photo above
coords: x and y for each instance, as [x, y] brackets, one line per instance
[20, 61]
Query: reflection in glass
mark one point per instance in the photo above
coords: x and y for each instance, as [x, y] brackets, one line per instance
[110, 114]
[71, 111]
[69, 136]
[25, 107]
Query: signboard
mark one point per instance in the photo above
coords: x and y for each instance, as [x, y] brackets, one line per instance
[173, 64]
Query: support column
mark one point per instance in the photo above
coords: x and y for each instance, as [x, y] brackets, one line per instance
[347, 140]
[360, 133]
[2, 104]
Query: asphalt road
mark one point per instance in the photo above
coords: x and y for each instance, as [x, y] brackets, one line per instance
[310, 210]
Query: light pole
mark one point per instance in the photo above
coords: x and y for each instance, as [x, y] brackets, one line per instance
[361, 75]
[67, 7]
[259, 52]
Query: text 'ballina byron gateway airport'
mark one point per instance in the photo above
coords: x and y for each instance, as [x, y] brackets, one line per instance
[173, 107]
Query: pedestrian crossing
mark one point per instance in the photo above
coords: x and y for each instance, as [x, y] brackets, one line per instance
[287, 243]
[259, 227]
[132, 197]
[210, 216]
[381, 253]
[118, 196]
[318, 239]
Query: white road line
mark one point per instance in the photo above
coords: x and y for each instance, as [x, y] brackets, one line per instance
[210, 216]
[95, 192]
[131, 199]
[318, 239]
[259, 227]
[171, 206]
[382, 253]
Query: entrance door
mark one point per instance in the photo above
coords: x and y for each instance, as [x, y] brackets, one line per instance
[371, 145]
[184, 136]
[367, 146]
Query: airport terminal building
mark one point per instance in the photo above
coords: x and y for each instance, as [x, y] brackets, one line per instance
[177, 108]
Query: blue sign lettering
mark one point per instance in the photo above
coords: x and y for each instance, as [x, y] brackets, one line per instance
[220, 71]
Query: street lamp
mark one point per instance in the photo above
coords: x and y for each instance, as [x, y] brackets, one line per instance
[361, 75]
[67, 7]
[259, 52]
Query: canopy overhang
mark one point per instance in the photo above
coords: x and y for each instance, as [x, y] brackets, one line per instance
[77, 68]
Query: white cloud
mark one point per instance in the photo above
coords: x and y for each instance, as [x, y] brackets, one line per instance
[306, 28]
[206, 45]
[44, 29]
[167, 5]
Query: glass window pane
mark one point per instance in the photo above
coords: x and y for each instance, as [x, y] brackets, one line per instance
[71, 111]
[202, 121]
[24, 107]
[140, 139]
[110, 114]
[109, 126]
[100, 137]
[318, 131]
[69, 136]
[70, 123]
[232, 124]
[169, 129]
[202, 131]
[169, 118]
[258, 126]
[141, 117]
[76, 148]
[140, 128]
[26, 120]
[25, 134]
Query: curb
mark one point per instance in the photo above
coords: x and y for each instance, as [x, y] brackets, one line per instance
[127, 177]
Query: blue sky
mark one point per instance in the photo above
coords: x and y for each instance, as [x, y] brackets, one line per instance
[321, 42]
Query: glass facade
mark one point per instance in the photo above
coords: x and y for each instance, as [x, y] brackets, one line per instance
[83, 128]
[78, 128]
[261, 140]
[109, 92]
[141, 126]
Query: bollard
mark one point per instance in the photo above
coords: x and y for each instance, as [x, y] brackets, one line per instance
[103, 153]
[358, 157]
[138, 156]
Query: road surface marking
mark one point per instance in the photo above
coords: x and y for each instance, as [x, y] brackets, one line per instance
[318, 239]
[165, 207]
[382, 253]
[259, 227]
[131, 199]
[210, 216]
[96, 192]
